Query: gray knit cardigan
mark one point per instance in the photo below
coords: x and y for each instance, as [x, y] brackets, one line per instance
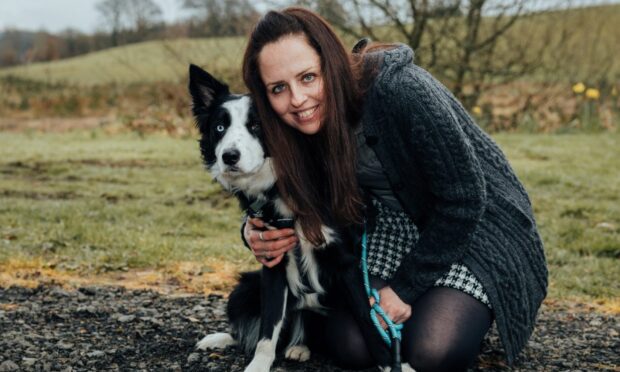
[457, 186]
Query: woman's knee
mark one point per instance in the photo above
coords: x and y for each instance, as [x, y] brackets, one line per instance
[438, 356]
[445, 331]
[352, 354]
[345, 344]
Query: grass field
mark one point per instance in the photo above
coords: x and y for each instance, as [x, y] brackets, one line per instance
[87, 203]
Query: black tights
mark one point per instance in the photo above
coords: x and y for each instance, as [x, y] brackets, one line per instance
[444, 333]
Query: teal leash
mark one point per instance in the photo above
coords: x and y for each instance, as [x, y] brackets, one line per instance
[395, 329]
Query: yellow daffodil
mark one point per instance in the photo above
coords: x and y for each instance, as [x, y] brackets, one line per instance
[476, 110]
[579, 88]
[593, 93]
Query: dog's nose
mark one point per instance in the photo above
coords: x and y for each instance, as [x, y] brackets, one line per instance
[231, 157]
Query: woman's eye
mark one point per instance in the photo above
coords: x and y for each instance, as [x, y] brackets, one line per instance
[307, 78]
[220, 128]
[277, 89]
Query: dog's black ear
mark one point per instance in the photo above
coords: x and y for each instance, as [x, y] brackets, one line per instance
[204, 88]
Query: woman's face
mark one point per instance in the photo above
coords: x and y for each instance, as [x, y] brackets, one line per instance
[291, 71]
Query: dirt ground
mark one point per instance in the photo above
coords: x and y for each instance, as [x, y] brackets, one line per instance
[48, 328]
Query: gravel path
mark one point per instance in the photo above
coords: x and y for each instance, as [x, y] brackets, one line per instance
[110, 328]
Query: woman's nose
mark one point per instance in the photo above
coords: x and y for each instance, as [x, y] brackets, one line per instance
[298, 97]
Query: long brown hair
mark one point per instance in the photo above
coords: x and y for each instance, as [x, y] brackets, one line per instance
[316, 173]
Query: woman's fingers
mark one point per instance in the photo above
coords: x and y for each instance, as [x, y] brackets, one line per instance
[398, 314]
[285, 248]
[256, 222]
[268, 246]
[271, 263]
[252, 225]
[394, 308]
[271, 239]
[277, 234]
[396, 319]
[256, 233]
[381, 321]
[275, 248]
[379, 317]
[283, 245]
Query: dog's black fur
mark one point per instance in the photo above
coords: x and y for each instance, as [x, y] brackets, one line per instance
[267, 303]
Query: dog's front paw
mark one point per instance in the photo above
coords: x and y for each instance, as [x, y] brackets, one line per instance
[258, 365]
[215, 341]
[300, 353]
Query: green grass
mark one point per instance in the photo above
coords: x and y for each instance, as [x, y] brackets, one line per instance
[93, 202]
[119, 202]
[574, 184]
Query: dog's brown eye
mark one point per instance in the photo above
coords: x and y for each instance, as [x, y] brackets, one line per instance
[255, 127]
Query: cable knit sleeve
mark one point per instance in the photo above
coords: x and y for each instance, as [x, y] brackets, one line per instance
[426, 115]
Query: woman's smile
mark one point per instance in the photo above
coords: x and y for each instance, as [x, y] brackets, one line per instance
[307, 114]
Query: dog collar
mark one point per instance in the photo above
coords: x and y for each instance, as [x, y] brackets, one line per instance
[256, 208]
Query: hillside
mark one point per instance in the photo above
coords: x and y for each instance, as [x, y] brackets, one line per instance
[589, 52]
[162, 60]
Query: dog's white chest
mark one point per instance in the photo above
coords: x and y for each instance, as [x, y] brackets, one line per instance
[305, 268]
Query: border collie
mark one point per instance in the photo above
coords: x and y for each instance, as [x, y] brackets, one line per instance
[264, 309]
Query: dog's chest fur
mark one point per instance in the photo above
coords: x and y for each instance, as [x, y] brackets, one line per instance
[302, 263]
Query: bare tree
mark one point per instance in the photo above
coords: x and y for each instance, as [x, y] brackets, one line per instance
[8, 56]
[464, 42]
[142, 16]
[46, 47]
[332, 10]
[10, 49]
[223, 17]
[112, 13]
[129, 19]
[476, 46]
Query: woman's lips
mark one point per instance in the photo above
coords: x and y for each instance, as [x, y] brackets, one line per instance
[307, 115]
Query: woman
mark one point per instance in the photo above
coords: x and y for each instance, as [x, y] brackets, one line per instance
[452, 243]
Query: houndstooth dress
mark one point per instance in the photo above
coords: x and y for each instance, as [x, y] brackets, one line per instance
[394, 236]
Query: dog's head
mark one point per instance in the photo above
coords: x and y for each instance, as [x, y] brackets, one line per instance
[231, 139]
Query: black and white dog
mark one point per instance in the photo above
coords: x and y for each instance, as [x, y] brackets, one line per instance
[264, 309]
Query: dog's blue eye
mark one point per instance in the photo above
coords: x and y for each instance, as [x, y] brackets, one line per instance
[219, 128]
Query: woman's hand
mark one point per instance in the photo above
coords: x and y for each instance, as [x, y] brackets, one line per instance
[268, 246]
[394, 307]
